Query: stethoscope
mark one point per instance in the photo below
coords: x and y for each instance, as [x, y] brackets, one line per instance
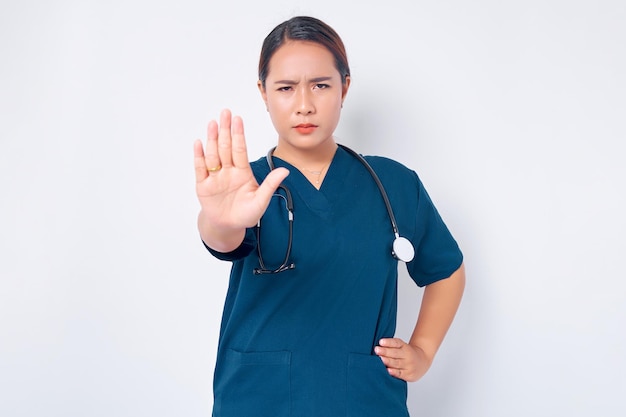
[402, 248]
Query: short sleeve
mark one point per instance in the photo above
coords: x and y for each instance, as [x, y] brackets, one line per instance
[437, 254]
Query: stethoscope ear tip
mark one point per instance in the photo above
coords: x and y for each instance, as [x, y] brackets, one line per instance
[403, 249]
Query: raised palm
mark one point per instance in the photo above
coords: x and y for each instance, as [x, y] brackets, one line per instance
[229, 195]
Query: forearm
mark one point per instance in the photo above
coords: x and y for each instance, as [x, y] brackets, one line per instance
[219, 238]
[440, 303]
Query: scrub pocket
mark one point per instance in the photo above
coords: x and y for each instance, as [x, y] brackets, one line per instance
[372, 392]
[254, 384]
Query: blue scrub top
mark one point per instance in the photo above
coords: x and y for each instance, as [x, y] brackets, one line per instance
[300, 343]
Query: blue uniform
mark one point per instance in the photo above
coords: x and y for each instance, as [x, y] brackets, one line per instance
[301, 343]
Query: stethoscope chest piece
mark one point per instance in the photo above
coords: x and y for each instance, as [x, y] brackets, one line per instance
[403, 249]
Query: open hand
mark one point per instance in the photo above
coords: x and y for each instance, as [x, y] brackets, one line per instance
[229, 195]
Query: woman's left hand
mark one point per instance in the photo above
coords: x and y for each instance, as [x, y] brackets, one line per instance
[403, 360]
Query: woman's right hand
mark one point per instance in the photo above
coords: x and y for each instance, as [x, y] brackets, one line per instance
[230, 197]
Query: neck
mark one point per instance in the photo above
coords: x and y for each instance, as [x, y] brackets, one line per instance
[312, 162]
[309, 159]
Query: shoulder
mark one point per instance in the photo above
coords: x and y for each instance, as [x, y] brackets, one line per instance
[401, 183]
[391, 170]
[385, 162]
[391, 173]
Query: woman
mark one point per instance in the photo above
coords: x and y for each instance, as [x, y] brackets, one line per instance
[310, 312]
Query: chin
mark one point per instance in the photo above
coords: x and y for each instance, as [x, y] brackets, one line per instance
[309, 142]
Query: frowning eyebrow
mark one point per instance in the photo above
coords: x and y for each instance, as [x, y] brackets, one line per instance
[312, 80]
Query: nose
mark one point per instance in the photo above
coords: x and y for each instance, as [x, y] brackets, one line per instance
[305, 103]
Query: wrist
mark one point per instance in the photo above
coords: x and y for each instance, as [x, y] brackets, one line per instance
[427, 355]
[220, 238]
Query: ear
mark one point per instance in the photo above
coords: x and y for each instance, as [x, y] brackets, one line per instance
[259, 84]
[344, 89]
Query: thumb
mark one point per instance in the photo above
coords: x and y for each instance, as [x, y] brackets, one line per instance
[271, 183]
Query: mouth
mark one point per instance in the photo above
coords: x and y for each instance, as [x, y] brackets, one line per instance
[305, 128]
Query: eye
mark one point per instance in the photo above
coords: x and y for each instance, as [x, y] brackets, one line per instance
[285, 88]
[321, 86]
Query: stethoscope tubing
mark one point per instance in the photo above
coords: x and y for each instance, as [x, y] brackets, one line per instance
[403, 249]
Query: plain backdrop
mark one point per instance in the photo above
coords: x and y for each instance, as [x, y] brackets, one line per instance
[512, 112]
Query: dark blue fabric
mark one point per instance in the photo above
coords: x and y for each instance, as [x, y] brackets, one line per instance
[300, 343]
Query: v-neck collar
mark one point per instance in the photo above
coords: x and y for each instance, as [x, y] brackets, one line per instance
[316, 200]
[302, 179]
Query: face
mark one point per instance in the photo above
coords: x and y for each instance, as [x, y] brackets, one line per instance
[303, 94]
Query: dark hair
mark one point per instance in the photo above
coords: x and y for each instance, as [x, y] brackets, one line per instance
[303, 28]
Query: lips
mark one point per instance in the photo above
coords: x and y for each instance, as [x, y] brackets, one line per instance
[305, 128]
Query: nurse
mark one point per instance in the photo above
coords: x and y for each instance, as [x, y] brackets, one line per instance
[310, 313]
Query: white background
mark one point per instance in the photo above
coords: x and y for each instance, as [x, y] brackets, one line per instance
[512, 112]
